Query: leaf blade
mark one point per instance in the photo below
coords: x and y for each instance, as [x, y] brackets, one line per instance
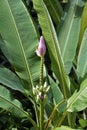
[82, 56]
[68, 32]
[9, 79]
[9, 104]
[78, 101]
[13, 105]
[18, 22]
[83, 26]
[52, 44]
[65, 128]
[55, 10]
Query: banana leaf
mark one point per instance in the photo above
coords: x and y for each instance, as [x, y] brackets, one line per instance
[13, 105]
[83, 26]
[10, 104]
[68, 32]
[10, 80]
[19, 40]
[57, 94]
[65, 128]
[82, 57]
[78, 101]
[55, 10]
[50, 36]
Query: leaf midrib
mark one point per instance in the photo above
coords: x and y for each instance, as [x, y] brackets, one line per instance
[60, 69]
[50, 30]
[12, 103]
[20, 44]
[18, 108]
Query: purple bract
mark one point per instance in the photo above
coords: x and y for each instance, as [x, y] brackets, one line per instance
[41, 49]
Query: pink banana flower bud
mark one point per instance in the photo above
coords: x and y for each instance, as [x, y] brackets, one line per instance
[41, 49]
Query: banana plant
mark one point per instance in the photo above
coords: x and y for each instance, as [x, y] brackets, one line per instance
[18, 43]
[49, 77]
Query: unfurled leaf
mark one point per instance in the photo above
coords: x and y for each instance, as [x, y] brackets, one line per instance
[65, 128]
[83, 26]
[82, 57]
[19, 40]
[50, 36]
[57, 94]
[10, 104]
[13, 105]
[55, 10]
[78, 101]
[10, 79]
[68, 32]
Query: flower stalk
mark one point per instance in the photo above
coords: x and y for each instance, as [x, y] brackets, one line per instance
[41, 95]
[40, 51]
[41, 115]
[41, 71]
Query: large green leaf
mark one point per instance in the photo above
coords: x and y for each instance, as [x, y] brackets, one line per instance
[52, 44]
[65, 128]
[20, 39]
[9, 104]
[12, 105]
[78, 101]
[83, 26]
[55, 10]
[10, 79]
[68, 32]
[57, 94]
[82, 57]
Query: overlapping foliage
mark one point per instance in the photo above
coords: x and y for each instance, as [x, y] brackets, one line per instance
[64, 28]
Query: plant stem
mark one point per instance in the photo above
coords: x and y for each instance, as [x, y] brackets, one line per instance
[68, 114]
[41, 71]
[69, 119]
[33, 123]
[63, 117]
[41, 115]
[36, 111]
[52, 114]
[41, 100]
